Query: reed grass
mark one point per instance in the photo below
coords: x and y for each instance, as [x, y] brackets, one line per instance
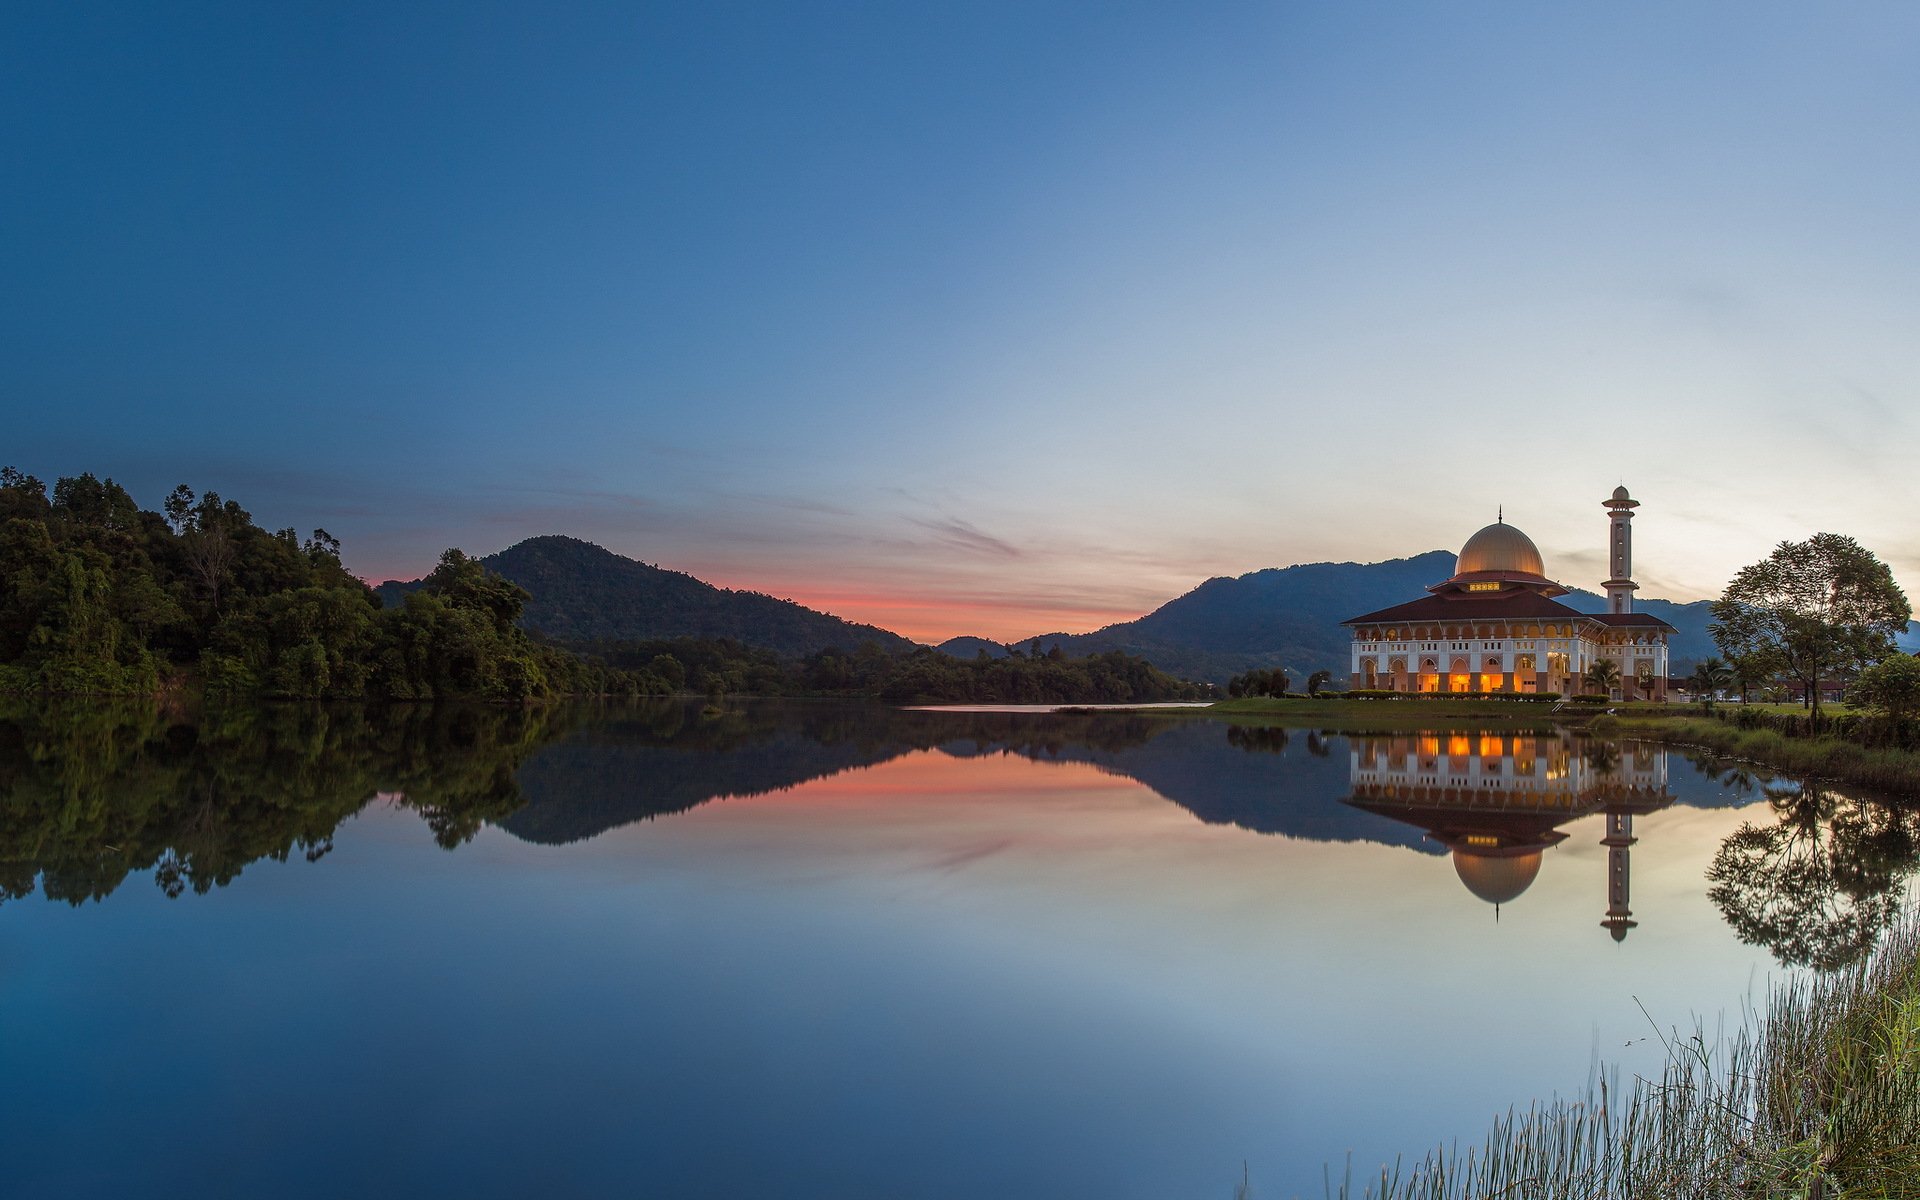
[1816, 1096]
[1882, 768]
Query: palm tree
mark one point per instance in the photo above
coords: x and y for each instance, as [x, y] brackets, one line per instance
[1603, 676]
[1746, 674]
[1708, 680]
[1318, 680]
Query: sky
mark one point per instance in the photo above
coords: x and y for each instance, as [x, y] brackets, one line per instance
[990, 319]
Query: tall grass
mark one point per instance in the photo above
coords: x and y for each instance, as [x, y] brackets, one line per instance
[1881, 768]
[1815, 1097]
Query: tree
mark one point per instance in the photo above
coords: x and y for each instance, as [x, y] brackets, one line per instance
[1602, 676]
[1812, 610]
[1709, 679]
[322, 547]
[466, 583]
[1748, 672]
[1260, 683]
[1891, 688]
[179, 508]
[1318, 680]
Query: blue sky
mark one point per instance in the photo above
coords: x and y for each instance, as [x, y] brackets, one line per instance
[976, 318]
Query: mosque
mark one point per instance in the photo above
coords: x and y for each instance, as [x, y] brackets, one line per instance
[1495, 626]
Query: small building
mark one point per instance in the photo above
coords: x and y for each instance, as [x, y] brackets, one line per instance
[1496, 625]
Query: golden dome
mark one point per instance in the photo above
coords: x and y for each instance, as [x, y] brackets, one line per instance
[1501, 547]
[1496, 878]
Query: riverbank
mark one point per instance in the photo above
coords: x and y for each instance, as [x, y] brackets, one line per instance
[1817, 1095]
[1822, 757]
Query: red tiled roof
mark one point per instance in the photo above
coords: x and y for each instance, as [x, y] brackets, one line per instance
[1517, 605]
[1629, 620]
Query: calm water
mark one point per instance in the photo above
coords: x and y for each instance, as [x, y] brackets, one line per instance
[827, 951]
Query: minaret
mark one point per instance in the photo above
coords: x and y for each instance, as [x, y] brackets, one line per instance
[1621, 587]
[1619, 837]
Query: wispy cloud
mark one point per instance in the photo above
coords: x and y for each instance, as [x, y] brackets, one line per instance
[959, 535]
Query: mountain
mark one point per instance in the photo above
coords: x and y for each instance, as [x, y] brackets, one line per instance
[1280, 617]
[968, 647]
[586, 593]
[1290, 617]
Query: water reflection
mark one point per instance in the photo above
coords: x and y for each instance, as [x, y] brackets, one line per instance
[91, 795]
[1821, 882]
[1496, 801]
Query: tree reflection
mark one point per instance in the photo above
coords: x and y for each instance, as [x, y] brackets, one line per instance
[90, 795]
[1259, 739]
[1820, 884]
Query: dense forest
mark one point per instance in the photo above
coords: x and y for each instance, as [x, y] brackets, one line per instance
[101, 597]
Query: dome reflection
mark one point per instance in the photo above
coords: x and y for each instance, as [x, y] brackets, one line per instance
[1496, 801]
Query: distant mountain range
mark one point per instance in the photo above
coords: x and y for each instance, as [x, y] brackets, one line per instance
[586, 593]
[1290, 617]
[1280, 617]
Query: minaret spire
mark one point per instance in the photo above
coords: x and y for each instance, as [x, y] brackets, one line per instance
[1620, 585]
[1619, 837]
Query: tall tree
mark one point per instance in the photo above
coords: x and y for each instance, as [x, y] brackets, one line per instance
[1811, 610]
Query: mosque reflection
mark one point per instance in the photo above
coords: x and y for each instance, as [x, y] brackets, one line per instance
[1497, 801]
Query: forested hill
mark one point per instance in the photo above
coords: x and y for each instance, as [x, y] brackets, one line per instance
[1290, 617]
[586, 593]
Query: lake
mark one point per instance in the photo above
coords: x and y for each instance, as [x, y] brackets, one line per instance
[834, 950]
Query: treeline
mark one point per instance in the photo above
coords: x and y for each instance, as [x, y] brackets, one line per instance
[722, 667]
[99, 596]
[1274, 684]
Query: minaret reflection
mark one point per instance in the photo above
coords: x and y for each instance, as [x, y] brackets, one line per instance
[1496, 801]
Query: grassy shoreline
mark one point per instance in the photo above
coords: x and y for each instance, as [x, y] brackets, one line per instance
[1362, 715]
[1823, 757]
[1817, 1095]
